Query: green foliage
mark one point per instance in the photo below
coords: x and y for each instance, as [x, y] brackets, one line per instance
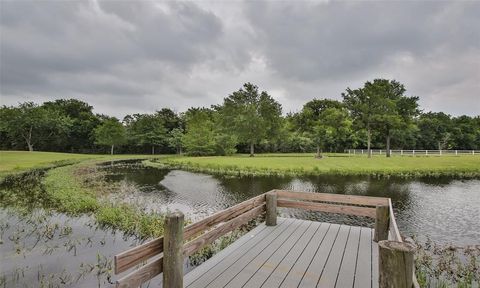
[381, 105]
[199, 140]
[250, 115]
[111, 132]
[145, 129]
[377, 114]
[175, 139]
[31, 124]
[66, 193]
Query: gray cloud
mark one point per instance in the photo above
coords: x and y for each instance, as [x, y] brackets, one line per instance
[138, 56]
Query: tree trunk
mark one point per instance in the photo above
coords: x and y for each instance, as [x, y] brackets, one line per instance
[111, 150]
[252, 149]
[369, 140]
[388, 145]
[153, 149]
[318, 152]
[30, 146]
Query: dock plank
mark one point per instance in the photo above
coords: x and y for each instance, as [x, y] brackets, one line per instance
[210, 276]
[346, 275]
[268, 258]
[363, 272]
[332, 266]
[271, 265]
[282, 270]
[312, 272]
[262, 250]
[258, 231]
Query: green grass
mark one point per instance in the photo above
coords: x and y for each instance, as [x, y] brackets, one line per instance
[20, 161]
[338, 164]
[67, 188]
[68, 193]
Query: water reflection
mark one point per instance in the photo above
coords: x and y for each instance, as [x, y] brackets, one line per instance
[446, 210]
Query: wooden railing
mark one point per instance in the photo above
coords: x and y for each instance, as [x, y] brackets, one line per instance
[204, 232]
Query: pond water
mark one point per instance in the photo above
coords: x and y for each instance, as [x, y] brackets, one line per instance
[445, 210]
[42, 249]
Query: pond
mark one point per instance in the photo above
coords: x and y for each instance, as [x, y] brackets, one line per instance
[46, 249]
[446, 210]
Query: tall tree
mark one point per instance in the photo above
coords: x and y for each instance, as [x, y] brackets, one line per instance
[251, 115]
[199, 138]
[80, 136]
[32, 124]
[362, 104]
[333, 126]
[381, 105]
[111, 132]
[175, 139]
[397, 111]
[435, 131]
[146, 129]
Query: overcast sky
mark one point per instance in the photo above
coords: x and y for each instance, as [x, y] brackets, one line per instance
[127, 57]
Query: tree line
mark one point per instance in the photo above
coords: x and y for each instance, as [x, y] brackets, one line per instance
[379, 115]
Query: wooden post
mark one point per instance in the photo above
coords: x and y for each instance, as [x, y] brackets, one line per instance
[395, 264]
[271, 217]
[173, 250]
[382, 220]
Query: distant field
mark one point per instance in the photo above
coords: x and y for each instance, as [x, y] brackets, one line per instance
[297, 164]
[19, 161]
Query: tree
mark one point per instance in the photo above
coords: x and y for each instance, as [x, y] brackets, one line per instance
[435, 131]
[146, 129]
[175, 139]
[199, 138]
[252, 116]
[32, 123]
[332, 127]
[465, 132]
[397, 111]
[381, 104]
[362, 105]
[80, 136]
[111, 132]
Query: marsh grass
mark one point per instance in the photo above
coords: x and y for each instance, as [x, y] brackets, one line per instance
[447, 265]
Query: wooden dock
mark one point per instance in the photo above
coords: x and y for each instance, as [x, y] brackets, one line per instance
[294, 253]
[280, 252]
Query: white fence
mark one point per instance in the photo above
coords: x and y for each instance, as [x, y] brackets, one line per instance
[413, 152]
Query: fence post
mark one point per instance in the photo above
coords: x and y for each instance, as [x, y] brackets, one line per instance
[395, 264]
[473, 152]
[271, 217]
[401, 152]
[440, 151]
[426, 152]
[173, 250]
[362, 151]
[382, 220]
[413, 152]
[456, 152]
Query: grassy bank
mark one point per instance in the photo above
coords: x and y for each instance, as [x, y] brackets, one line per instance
[71, 184]
[12, 162]
[336, 164]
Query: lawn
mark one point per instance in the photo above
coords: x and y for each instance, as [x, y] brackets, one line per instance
[306, 164]
[20, 161]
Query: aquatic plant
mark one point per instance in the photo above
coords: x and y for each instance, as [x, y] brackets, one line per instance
[447, 265]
